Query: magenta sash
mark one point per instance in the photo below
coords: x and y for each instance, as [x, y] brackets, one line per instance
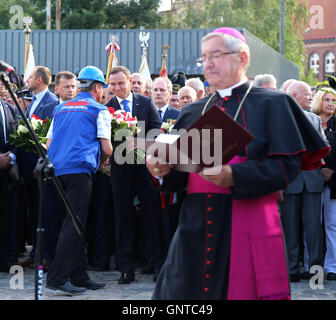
[196, 184]
[258, 268]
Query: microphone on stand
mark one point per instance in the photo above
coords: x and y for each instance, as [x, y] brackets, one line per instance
[4, 67]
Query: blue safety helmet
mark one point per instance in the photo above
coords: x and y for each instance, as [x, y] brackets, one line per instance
[89, 74]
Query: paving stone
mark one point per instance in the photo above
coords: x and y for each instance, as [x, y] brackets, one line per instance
[141, 289]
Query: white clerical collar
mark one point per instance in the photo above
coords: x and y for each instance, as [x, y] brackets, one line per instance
[228, 91]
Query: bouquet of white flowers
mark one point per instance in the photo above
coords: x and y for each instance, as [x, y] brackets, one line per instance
[21, 136]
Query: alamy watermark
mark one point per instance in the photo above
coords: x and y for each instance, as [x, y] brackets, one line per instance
[16, 21]
[194, 147]
[317, 280]
[17, 280]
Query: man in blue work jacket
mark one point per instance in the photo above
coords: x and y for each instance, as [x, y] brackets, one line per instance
[78, 143]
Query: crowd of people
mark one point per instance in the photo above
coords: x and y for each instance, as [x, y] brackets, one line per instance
[199, 235]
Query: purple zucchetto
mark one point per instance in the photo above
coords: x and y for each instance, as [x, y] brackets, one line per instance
[230, 31]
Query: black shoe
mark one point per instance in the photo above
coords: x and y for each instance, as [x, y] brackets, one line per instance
[126, 277]
[331, 276]
[67, 287]
[295, 277]
[155, 275]
[148, 269]
[89, 284]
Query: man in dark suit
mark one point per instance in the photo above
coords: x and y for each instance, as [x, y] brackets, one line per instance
[42, 106]
[302, 202]
[129, 180]
[65, 85]
[8, 123]
[162, 92]
[44, 101]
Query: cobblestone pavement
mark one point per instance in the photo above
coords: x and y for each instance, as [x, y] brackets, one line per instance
[141, 289]
[12, 287]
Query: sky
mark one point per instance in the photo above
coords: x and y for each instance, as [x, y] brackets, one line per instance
[165, 5]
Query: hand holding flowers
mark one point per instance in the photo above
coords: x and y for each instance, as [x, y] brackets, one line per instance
[21, 136]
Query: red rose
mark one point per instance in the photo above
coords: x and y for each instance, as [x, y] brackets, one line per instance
[35, 117]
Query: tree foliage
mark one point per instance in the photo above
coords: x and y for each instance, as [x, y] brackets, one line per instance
[93, 14]
[132, 14]
[261, 18]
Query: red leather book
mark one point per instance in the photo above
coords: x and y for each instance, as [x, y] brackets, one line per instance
[212, 140]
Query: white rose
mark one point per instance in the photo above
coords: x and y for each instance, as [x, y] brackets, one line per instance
[119, 120]
[165, 126]
[22, 130]
[34, 123]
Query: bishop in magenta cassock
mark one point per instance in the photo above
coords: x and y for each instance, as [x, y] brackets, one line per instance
[229, 242]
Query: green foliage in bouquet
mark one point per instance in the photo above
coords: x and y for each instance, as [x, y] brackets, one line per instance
[21, 136]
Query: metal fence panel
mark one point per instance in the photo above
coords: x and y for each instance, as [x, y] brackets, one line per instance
[73, 49]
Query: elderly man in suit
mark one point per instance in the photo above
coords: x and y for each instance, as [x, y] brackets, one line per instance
[161, 93]
[42, 106]
[138, 83]
[302, 201]
[129, 180]
[8, 122]
[186, 95]
[197, 85]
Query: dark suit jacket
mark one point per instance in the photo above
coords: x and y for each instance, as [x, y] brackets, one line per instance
[46, 106]
[11, 124]
[312, 179]
[44, 109]
[171, 113]
[143, 109]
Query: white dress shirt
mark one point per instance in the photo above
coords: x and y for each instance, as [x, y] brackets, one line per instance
[38, 99]
[130, 102]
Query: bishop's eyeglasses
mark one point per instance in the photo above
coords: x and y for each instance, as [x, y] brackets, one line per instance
[215, 56]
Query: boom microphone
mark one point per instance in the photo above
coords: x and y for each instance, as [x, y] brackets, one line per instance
[4, 67]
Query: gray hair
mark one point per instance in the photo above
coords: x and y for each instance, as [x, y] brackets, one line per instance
[295, 87]
[166, 80]
[191, 90]
[230, 42]
[138, 74]
[286, 84]
[262, 79]
[196, 84]
[149, 84]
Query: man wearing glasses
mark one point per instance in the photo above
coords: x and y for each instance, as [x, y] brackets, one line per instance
[229, 242]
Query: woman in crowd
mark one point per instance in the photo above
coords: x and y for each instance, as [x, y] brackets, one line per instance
[324, 105]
